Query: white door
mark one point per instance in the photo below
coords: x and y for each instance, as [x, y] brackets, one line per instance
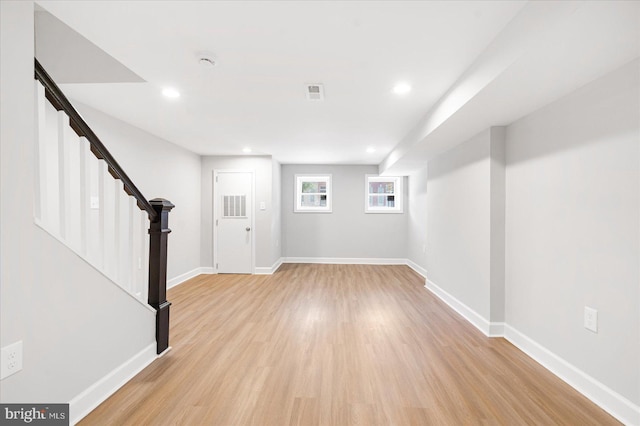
[233, 233]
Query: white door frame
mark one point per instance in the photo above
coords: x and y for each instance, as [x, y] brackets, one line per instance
[216, 216]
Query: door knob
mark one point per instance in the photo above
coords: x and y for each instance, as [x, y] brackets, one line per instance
[248, 229]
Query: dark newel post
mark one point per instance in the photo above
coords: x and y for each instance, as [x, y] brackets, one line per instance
[158, 235]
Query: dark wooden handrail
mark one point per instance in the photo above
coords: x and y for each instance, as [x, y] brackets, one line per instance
[60, 102]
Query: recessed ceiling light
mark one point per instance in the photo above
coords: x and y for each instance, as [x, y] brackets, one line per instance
[371, 150]
[401, 88]
[246, 150]
[170, 92]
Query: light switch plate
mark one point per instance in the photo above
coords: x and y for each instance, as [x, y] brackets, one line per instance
[94, 203]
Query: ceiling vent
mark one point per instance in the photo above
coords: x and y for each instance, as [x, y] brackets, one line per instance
[315, 92]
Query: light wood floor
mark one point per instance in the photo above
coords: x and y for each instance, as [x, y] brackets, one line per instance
[335, 345]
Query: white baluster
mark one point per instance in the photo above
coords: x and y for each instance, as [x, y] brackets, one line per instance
[130, 251]
[85, 195]
[123, 238]
[110, 237]
[103, 179]
[145, 257]
[138, 255]
[63, 178]
[117, 188]
[40, 175]
[72, 187]
[50, 164]
[95, 219]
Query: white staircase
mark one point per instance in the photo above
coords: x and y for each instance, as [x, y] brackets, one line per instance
[85, 206]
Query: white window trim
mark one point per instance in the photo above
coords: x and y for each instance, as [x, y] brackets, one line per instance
[297, 191]
[398, 194]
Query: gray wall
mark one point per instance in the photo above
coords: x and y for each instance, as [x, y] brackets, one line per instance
[416, 208]
[458, 240]
[76, 326]
[572, 231]
[497, 187]
[530, 224]
[347, 232]
[264, 224]
[465, 223]
[276, 203]
[159, 169]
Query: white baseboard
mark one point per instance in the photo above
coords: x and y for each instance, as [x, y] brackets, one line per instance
[346, 260]
[612, 402]
[615, 404]
[419, 269]
[183, 277]
[188, 275]
[477, 320]
[266, 270]
[496, 329]
[262, 270]
[97, 393]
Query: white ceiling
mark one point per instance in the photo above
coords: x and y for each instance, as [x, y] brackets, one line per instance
[71, 58]
[266, 51]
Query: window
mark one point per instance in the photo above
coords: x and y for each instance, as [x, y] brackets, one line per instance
[383, 194]
[313, 193]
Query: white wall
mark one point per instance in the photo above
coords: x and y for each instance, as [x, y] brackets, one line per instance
[76, 326]
[159, 169]
[347, 232]
[417, 218]
[263, 168]
[572, 231]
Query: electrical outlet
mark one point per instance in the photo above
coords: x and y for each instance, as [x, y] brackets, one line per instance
[591, 319]
[11, 360]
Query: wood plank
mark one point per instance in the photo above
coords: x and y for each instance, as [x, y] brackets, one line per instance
[335, 345]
